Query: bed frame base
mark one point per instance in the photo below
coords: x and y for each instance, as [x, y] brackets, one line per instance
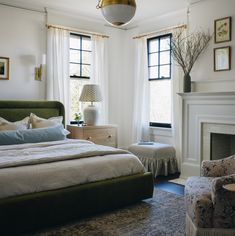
[36, 211]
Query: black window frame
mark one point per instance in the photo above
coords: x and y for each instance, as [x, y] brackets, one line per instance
[156, 124]
[81, 51]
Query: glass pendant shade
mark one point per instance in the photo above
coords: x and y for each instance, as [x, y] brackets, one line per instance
[118, 12]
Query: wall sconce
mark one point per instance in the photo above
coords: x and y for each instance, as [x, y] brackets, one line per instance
[38, 73]
[39, 70]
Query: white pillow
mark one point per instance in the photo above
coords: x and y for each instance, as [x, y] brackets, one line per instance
[38, 122]
[18, 125]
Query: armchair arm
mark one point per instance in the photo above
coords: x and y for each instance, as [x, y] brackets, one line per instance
[223, 202]
[217, 183]
[218, 168]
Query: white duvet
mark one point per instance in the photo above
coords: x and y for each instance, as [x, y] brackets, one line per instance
[29, 168]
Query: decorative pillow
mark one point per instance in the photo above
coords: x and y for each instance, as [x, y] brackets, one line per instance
[10, 137]
[18, 125]
[38, 122]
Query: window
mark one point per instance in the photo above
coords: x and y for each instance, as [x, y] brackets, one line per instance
[80, 69]
[159, 71]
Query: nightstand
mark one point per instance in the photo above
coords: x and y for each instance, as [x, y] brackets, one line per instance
[99, 134]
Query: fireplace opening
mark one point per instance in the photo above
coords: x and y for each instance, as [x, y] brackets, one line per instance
[222, 145]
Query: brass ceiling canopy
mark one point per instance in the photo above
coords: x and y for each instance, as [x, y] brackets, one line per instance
[117, 12]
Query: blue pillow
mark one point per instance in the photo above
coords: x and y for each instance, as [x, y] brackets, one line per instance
[32, 135]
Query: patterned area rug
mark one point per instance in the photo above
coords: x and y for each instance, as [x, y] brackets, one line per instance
[163, 215]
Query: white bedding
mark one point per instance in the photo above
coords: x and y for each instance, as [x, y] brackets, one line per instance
[29, 168]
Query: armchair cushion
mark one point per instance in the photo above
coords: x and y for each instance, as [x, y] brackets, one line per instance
[218, 168]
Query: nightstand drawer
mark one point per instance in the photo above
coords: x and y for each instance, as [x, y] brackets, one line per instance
[99, 134]
[105, 136]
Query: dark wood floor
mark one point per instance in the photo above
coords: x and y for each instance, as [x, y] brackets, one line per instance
[161, 182]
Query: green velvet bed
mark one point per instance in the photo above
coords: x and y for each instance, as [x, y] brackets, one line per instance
[35, 211]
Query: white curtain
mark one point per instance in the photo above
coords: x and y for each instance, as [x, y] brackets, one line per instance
[177, 87]
[99, 74]
[58, 67]
[140, 127]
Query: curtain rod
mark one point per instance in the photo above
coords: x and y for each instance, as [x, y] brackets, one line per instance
[76, 30]
[159, 31]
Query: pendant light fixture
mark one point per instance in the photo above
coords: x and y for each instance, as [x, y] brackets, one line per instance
[117, 12]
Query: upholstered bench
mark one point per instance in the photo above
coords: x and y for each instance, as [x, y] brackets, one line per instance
[157, 158]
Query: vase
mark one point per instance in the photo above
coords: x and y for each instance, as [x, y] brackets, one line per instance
[187, 83]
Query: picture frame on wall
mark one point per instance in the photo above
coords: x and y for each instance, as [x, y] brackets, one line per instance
[4, 68]
[222, 29]
[222, 58]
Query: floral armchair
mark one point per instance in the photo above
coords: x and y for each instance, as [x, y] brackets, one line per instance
[210, 206]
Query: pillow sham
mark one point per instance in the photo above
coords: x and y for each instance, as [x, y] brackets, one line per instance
[18, 125]
[38, 122]
[10, 137]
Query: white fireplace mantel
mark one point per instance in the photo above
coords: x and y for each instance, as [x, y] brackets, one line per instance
[209, 95]
[213, 108]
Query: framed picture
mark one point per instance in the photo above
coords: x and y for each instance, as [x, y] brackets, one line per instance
[222, 58]
[4, 68]
[222, 29]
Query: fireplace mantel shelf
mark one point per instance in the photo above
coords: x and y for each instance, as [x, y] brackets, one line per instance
[206, 94]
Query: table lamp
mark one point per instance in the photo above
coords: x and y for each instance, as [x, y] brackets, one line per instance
[91, 93]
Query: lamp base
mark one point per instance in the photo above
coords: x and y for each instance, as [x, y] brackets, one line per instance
[91, 115]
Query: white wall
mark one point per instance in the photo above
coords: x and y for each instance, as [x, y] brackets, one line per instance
[23, 40]
[121, 84]
[202, 15]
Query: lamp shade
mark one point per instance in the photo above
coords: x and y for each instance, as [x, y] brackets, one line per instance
[117, 12]
[91, 93]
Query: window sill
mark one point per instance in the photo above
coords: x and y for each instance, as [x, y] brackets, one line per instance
[160, 131]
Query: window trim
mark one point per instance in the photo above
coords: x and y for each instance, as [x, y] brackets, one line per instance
[81, 36]
[157, 124]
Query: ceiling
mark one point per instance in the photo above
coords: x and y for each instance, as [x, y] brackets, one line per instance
[146, 9]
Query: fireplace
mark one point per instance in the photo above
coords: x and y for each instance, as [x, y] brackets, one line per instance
[221, 145]
[218, 140]
[208, 129]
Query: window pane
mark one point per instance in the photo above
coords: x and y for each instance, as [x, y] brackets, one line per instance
[74, 42]
[86, 57]
[74, 69]
[165, 71]
[153, 45]
[165, 57]
[75, 56]
[165, 43]
[153, 72]
[86, 71]
[153, 59]
[160, 101]
[86, 44]
[76, 86]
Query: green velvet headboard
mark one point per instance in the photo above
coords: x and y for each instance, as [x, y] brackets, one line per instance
[16, 110]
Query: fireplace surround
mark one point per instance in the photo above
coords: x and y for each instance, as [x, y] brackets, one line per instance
[208, 118]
